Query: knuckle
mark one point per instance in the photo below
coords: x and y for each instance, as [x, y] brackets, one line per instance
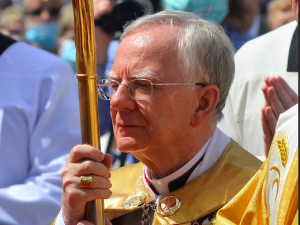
[66, 183]
[64, 172]
[76, 150]
[87, 166]
[86, 197]
[75, 196]
[71, 195]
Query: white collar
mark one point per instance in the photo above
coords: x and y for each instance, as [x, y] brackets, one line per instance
[213, 149]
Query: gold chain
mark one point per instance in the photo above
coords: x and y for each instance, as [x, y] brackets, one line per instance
[146, 216]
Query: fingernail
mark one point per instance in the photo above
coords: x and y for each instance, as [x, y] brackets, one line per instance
[100, 156]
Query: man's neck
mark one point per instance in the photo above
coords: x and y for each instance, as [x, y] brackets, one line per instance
[165, 161]
[201, 162]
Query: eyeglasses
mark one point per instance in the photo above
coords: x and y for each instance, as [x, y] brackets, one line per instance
[138, 89]
[54, 12]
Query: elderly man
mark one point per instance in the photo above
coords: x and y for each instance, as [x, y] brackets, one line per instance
[167, 88]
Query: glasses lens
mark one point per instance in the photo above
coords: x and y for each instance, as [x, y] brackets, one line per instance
[106, 88]
[140, 89]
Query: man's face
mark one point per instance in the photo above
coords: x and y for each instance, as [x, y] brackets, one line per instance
[40, 12]
[164, 119]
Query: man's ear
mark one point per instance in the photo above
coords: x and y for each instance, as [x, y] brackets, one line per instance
[295, 9]
[208, 98]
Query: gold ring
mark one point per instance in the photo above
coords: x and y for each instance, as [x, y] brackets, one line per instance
[86, 181]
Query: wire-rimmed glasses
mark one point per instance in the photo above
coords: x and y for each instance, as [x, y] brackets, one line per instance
[138, 89]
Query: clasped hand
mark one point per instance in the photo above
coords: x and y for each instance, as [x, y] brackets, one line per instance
[84, 160]
[279, 97]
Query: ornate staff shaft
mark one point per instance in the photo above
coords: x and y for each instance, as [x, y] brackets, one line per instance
[87, 88]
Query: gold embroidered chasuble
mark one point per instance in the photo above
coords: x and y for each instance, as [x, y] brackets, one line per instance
[271, 196]
[202, 196]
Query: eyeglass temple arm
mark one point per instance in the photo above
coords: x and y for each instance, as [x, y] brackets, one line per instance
[176, 84]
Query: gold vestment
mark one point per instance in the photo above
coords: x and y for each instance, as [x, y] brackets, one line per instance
[271, 196]
[202, 196]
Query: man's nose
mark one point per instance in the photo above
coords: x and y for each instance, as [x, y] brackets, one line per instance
[121, 99]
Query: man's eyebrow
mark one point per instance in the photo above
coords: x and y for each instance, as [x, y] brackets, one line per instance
[112, 75]
[146, 75]
[143, 75]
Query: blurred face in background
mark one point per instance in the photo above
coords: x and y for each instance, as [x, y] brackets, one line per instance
[215, 10]
[65, 45]
[37, 11]
[12, 22]
[280, 12]
[14, 29]
[41, 20]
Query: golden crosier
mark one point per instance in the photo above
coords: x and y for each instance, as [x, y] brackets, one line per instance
[87, 89]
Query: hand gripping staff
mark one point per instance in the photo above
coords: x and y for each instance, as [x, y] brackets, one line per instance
[87, 88]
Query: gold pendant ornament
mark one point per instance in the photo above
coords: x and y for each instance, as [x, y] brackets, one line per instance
[168, 206]
[86, 181]
[134, 201]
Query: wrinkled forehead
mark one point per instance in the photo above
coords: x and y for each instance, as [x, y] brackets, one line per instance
[159, 43]
[163, 36]
[147, 50]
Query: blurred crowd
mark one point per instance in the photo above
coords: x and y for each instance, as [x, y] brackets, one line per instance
[49, 25]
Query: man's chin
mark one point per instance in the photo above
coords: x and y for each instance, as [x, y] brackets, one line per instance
[129, 144]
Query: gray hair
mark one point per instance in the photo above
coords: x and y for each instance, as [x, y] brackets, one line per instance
[204, 50]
